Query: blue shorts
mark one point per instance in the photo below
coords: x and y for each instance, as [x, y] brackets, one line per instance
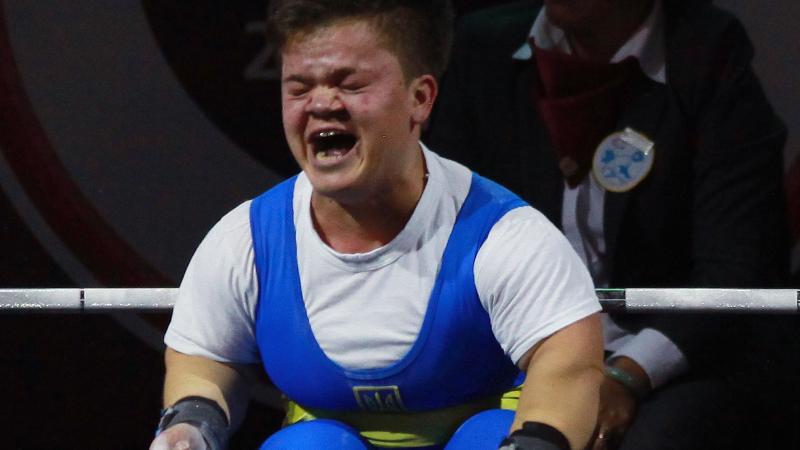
[483, 431]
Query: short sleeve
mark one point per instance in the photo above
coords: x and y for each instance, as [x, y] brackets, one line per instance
[530, 281]
[214, 314]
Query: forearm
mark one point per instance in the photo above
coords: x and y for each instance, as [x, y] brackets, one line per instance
[197, 376]
[566, 400]
[563, 382]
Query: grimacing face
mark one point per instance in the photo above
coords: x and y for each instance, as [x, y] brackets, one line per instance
[350, 116]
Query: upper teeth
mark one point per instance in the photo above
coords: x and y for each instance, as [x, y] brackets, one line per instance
[325, 134]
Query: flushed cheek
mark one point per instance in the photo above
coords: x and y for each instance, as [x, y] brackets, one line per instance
[293, 125]
[292, 131]
[292, 112]
[294, 138]
[298, 152]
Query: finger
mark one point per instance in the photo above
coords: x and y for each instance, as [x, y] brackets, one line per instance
[600, 442]
[159, 444]
[181, 445]
[171, 440]
[590, 444]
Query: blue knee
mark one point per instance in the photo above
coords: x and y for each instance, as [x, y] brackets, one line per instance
[314, 434]
[483, 431]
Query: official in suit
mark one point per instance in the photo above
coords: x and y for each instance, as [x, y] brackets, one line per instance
[640, 128]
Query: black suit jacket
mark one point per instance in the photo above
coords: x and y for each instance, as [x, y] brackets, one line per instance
[711, 213]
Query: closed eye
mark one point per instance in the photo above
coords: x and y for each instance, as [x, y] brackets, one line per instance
[296, 89]
[353, 87]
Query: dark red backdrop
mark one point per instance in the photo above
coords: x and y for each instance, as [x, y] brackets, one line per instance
[80, 381]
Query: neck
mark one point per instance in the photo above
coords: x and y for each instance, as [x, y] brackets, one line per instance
[358, 224]
[600, 39]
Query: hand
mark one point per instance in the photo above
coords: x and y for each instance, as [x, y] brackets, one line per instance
[179, 437]
[617, 410]
[618, 405]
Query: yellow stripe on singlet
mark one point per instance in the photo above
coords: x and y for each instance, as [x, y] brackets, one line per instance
[406, 429]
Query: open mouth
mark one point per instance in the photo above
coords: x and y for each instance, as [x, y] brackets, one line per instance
[332, 144]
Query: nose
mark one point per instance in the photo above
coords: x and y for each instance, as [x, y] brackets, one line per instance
[323, 101]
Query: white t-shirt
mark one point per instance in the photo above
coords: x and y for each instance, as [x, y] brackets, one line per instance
[366, 309]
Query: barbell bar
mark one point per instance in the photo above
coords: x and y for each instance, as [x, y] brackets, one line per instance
[632, 300]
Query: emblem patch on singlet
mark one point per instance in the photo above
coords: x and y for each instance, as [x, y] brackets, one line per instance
[379, 398]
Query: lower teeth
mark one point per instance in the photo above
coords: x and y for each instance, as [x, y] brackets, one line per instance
[331, 154]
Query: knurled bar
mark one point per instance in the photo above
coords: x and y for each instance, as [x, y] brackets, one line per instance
[632, 300]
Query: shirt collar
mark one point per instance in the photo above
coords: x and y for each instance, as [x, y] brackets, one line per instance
[646, 44]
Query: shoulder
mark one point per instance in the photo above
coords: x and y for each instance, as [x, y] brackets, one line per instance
[235, 219]
[525, 244]
[526, 224]
[704, 28]
[705, 45]
[709, 67]
[234, 222]
[701, 19]
[520, 237]
[229, 237]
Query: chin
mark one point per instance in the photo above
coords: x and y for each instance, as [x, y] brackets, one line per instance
[333, 186]
[566, 15]
[558, 17]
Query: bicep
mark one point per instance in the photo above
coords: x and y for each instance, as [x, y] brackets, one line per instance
[215, 311]
[530, 281]
[578, 345]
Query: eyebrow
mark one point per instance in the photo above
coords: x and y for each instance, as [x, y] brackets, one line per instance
[338, 74]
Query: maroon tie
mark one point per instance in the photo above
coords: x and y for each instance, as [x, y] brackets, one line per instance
[579, 102]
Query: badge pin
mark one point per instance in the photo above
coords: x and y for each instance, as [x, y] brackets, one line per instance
[623, 160]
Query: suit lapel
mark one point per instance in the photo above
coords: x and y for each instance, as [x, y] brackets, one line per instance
[643, 115]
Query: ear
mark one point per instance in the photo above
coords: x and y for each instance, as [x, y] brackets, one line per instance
[423, 91]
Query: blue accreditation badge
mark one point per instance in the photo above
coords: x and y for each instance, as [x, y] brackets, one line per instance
[623, 160]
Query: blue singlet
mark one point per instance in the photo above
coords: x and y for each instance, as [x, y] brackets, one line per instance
[455, 359]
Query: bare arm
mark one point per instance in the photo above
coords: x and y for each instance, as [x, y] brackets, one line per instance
[195, 376]
[226, 384]
[564, 373]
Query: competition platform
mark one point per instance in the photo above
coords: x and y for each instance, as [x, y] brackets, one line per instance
[638, 300]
